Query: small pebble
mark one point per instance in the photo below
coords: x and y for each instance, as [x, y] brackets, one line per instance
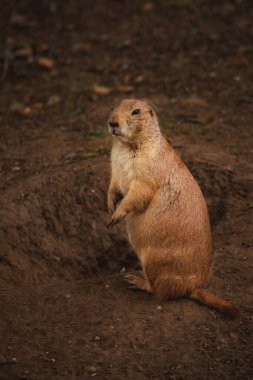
[53, 100]
[91, 368]
[233, 336]
[16, 168]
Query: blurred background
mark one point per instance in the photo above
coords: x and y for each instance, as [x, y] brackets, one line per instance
[63, 65]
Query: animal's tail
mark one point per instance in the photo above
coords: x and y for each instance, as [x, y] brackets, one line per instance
[215, 302]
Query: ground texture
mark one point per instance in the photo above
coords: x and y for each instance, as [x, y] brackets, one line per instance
[65, 310]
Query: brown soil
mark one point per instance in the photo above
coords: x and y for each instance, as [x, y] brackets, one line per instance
[66, 312]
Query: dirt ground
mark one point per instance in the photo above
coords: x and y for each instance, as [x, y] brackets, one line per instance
[65, 310]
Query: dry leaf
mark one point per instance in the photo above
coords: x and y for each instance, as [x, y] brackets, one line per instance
[191, 101]
[148, 7]
[24, 52]
[238, 61]
[195, 101]
[122, 88]
[38, 106]
[139, 79]
[42, 48]
[20, 20]
[27, 111]
[102, 90]
[45, 62]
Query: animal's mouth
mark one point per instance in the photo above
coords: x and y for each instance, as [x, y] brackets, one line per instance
[115, 131]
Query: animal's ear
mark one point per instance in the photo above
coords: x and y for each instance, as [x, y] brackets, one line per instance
[151, 111]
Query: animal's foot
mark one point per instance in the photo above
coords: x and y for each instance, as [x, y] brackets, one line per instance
[137, 281]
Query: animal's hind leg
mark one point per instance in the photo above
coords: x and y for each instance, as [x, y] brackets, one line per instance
[138, 281]
[173, 286]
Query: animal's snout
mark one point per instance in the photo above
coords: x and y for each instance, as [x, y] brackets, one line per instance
[113, 124]
[114, 127]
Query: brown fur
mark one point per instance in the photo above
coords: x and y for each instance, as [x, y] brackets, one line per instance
[166, 214]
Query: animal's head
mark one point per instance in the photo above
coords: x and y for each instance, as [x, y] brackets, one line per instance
[132, 120]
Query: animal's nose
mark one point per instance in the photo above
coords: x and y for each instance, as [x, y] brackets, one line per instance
[113, 124]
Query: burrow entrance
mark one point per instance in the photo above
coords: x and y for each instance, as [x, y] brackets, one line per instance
[53, 224]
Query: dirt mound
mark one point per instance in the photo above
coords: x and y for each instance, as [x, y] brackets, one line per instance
[53, 224]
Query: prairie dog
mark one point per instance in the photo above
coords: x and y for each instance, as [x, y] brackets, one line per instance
[166, 214]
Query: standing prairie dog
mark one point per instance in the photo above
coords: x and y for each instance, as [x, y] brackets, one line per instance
[165, 211]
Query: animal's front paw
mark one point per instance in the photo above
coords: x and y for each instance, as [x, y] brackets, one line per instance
[116, 217]
[113, 202]
[111, 206]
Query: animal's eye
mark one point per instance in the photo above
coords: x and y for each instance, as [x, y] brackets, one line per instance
[137, 111]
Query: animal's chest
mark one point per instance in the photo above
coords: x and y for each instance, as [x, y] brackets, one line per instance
[123, 170]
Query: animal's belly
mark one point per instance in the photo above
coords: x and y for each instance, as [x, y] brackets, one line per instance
[124, 187]
[125, 182]
[166, 229]
[124, 173]
[170, 241]
[140, 229]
